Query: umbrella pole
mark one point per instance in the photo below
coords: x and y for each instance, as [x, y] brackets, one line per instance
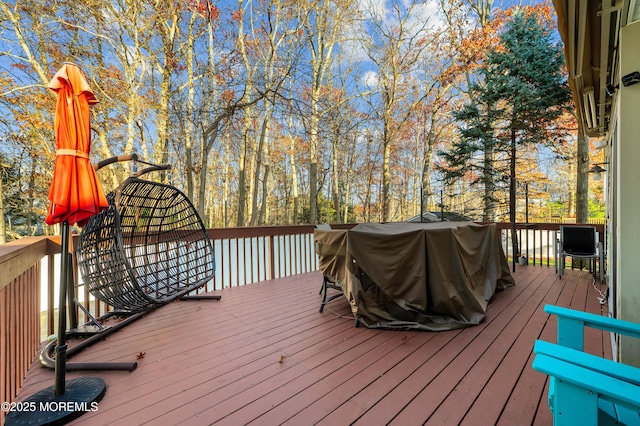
[65, 400]
[72, 313]
[61, 348]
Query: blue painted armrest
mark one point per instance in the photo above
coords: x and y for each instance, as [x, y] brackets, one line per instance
[605, 366]
[571, 325]
[578, 390]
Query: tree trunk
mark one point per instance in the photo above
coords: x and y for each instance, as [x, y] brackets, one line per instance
[582, 180]
[209, 130]
[265, 195]
[294, 173]
[334, 173]
[322, 33]
[208, 137]
[245, 149]
[168, 33]
[512, 200]
[294, 182]
[571, 196]
[225, 182]
[31, 195]
[260, 153]
[242, 180]
[115, 173]
[350, 156]
[313, 163]
[369, 183]
[489, 213]
[189, 133]
[161, 152]
[386, 173]
[3, 229]
[427, 191]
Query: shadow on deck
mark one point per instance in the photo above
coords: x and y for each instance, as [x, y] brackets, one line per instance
[264, 355]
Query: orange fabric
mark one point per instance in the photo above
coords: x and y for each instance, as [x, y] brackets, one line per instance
[75, 192]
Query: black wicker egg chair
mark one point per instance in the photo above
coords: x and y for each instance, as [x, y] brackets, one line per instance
[147, 248]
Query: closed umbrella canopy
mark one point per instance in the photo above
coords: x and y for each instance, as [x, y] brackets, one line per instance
[75, 192]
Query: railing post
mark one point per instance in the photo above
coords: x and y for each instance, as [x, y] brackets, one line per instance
[4, 362]
[272, 257]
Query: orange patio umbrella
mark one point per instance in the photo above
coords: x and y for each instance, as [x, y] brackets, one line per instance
[75, 196]
[75, 192]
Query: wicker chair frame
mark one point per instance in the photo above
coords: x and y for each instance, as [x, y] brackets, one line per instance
[148, 248]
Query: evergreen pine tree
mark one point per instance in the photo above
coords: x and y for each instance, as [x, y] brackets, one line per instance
[522, 90]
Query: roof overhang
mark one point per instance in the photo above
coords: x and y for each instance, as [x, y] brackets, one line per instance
[589, 30]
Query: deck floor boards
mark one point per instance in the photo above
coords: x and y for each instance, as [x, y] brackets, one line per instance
[264, 355]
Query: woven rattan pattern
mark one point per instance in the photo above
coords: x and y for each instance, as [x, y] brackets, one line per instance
[147, 249]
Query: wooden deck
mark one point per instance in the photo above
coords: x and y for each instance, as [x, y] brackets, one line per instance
[264, 355]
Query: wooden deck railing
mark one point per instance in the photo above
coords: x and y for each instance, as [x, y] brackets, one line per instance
[243, 256]
[537, 241]
[20, 287]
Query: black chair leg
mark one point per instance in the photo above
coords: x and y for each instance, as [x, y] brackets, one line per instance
[323, 291]
[326, 285]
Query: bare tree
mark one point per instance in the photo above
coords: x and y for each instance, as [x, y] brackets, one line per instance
[323, 26]
[396, 46]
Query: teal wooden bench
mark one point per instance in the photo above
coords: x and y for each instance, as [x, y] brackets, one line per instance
[586, 389]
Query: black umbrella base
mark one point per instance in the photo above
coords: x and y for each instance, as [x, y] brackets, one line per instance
[44, 408]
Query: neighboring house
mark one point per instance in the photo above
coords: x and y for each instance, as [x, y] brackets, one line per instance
[602, 50]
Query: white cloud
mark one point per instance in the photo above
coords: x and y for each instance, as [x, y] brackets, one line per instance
[373, 9]
[418, 17]
[370, 79]
[427, 12]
